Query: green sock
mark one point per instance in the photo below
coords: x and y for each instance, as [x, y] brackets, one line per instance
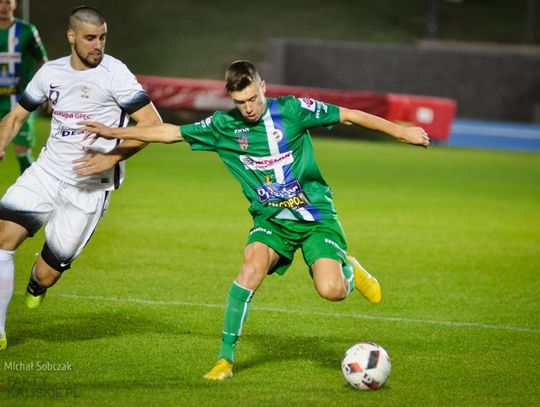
[348, 273]
[25, 160]
[236, 312]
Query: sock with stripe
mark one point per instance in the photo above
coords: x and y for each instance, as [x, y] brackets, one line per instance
[236, 311]
[348, 274]
[7, 272]
[33, 286]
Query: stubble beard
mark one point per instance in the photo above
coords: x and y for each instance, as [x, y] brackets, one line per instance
[86, 61]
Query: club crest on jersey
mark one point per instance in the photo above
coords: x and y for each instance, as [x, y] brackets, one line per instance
[85, 90]
[14, 42]
[54, 95]
[243, 142]
[277, 135]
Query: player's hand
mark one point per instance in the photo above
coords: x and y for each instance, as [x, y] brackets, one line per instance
[2, 155]
[414, 135]
[94, 162]
[47, 107]
[93, 131]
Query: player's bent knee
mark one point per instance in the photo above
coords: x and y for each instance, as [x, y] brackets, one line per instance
[53, 261]
[45, 275]
[332, 291]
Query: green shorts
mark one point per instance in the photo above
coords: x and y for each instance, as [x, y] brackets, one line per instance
[323, 239]
[26, 136]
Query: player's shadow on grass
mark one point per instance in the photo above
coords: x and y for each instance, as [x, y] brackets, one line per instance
[87, 326]
[324, 350]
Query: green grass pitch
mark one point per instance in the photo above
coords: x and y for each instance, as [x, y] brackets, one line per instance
[453, 236]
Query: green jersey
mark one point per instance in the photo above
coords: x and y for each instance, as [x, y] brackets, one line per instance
[273, 158]
[20, 48]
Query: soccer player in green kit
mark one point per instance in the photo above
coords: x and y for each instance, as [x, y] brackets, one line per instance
[266, 145]
[21, 50]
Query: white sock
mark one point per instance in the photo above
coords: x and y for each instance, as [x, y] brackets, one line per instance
[7, 273]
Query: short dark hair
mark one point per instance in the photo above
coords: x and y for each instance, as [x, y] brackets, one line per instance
[239, 75]
[86, 14]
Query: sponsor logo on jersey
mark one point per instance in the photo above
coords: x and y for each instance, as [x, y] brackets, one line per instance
[267, 163]
[206, 122]
[278, 191]
[288, 195]
[294, 202]
[7, 57]
[73, 115]
[308, 104]
[8, 80]
[261, 229]
[66, 132]
[244, 130]
[321, 106]
[314, 106]
[7, 90]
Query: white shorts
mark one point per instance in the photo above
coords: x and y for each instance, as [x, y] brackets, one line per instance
[70, 214]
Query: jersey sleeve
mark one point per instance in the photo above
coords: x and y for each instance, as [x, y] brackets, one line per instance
[36, 92]
[127, 91]
[313, 113]
[201, 135]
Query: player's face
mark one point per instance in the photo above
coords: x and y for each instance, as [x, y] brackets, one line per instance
[88, 44]
[251, 101]
[7, 7]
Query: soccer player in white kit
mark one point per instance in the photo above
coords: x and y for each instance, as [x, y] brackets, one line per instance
[67, 188]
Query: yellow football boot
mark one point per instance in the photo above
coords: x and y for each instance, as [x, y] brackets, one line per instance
[34, 294]
[364, 282]
[221, 371]
[34, 301]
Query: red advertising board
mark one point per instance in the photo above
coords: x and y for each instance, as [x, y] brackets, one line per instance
[432, 113]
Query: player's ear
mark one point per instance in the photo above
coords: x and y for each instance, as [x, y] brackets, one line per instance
[71, 36]
[263, 87]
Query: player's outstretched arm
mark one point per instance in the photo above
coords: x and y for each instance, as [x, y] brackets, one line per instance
[159, 133]
[145, 116]
[95, 162]
[410, 135]
[10, 126]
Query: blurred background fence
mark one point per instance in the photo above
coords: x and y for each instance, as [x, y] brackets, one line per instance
[484, 54]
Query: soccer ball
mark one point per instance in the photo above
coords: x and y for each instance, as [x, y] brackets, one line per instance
[366, 366]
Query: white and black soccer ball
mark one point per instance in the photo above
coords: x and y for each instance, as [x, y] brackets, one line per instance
[366, 366]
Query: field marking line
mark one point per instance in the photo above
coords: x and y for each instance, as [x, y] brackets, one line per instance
[304, 312]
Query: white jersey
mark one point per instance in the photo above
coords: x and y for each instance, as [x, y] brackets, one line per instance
[107, 94]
